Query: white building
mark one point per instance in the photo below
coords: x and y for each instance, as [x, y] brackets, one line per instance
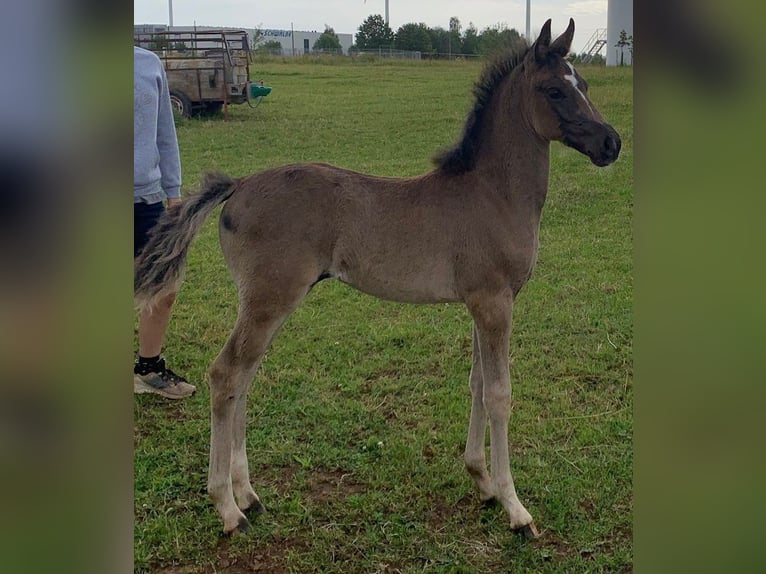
[297, 42]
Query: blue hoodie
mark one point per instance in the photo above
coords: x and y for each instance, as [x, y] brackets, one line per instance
[156, 162]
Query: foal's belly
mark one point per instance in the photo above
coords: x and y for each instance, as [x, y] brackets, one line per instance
[410, 287]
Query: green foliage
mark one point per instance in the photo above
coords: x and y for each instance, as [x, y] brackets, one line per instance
[496, 38]
[271, 47]
[625, 41]
[159, 43]
[470, 41]
[414, 37]
[595, 60]
[358, 413]
[455, 42]
[419, 37]
[440, 40]
[374, 33]
[328, 41]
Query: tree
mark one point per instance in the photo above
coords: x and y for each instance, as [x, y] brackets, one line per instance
[440, 40]
[585, 58]
[255, 38]
[454, 36]
[496, 38]
[470, 43]
[328, 41]
[374, 33]
[159, 43]
[415, 37]
[270, 47]
[625, 41]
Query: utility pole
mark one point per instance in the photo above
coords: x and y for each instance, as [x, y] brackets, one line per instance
[170, 13]
[387, 13]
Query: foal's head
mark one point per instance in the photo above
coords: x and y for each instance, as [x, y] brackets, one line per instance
[557, 103]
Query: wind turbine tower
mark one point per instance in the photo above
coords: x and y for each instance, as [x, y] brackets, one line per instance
[365, 1]
[529, 27]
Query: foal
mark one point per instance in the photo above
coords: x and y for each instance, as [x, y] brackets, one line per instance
[465, 232]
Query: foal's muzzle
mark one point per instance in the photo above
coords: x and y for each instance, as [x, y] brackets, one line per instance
[599, 141]
[609, 149]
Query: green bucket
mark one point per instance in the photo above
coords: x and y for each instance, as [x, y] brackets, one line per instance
[258, 91]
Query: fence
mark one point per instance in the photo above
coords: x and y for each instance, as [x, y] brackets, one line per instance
[389, 53]
[378, 52]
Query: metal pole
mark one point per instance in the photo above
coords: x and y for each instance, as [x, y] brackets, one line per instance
[292, 37]
[170, 13]
[529, 27]
[386, 12]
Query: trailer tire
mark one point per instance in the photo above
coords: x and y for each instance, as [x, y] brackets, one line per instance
[181, 103]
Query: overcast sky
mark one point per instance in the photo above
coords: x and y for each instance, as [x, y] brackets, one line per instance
[345, 16]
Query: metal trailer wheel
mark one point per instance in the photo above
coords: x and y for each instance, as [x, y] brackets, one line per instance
[181, 103]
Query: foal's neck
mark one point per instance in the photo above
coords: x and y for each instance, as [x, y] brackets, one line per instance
[517, 159]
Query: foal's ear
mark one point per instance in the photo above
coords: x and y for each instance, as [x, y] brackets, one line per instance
[543, 41]
[563, 43]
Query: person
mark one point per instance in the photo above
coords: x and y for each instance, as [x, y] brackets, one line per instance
[156, 177]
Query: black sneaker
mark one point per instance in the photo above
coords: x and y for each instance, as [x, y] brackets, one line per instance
[162, 381]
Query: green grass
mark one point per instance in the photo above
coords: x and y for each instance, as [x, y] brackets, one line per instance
[358, 416]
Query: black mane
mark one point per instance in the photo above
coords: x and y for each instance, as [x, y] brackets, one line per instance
[461, 157]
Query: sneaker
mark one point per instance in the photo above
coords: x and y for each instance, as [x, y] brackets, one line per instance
[162, 381]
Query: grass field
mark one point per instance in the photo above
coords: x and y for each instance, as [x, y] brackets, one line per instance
[358, 416]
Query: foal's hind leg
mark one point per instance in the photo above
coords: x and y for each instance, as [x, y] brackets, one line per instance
[247, 499]
[492, 317]
[475, 458]
[230, 377]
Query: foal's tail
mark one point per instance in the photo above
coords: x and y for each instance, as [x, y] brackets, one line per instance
[159, 268]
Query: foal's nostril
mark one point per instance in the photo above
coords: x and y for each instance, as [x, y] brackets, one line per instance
[612, 145]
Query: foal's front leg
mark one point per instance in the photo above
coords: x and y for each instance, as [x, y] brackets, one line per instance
[492, 316]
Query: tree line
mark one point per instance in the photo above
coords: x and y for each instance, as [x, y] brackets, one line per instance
[375, 34]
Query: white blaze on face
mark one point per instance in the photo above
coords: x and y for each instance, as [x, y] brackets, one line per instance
[572, 79]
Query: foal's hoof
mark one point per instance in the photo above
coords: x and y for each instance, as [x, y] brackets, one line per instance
[256, 507]
[529, 531]
[243, 525]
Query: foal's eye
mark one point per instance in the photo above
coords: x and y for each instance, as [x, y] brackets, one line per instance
[555, 94]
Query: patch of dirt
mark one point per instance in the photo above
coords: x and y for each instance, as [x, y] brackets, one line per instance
[270, 556]
[465, 509]
[281, 477]
[327, 486]
[588, 508]
[552, 545]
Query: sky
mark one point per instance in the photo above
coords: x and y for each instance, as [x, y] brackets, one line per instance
[345, 16]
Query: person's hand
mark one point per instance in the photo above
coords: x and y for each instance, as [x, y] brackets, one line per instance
[174, 201]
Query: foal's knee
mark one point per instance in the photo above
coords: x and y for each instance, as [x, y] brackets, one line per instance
[475, 463]
[497, 402]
